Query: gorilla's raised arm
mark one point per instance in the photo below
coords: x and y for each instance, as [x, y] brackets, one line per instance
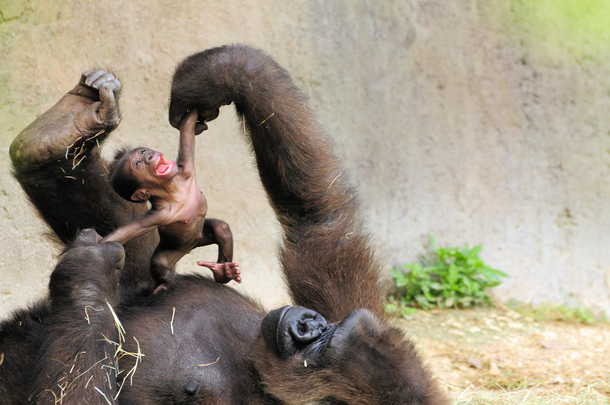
[77, 359]
[87, 113]
[56, 160]
[327, 258]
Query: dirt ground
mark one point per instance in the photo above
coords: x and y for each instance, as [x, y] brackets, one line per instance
[502, 351]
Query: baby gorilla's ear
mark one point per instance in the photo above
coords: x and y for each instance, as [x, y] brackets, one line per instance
[140, 195]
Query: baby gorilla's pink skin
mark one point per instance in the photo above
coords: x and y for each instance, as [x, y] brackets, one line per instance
[223, 272]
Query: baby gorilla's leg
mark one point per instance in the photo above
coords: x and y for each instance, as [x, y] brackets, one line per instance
[223, 272]
[162, 266]
[216, 231]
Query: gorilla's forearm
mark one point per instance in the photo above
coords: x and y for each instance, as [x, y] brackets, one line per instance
[328, 257]
[38, 142]
[78, 358]
[56, 160]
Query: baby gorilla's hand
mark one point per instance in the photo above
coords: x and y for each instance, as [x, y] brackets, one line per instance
[223, 272]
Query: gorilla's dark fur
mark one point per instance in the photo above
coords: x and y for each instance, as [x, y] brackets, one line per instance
[201, 342]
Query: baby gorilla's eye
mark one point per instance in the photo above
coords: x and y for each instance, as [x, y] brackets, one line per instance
[143, 151]
[137, 163]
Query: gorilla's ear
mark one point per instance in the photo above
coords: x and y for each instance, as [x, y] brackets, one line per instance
[140, 195]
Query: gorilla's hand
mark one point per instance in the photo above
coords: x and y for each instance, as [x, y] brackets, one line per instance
[87, 272]
[89, 112]
[179, 111]
[103, 115]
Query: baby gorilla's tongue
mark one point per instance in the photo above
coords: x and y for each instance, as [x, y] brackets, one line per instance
[163, 165]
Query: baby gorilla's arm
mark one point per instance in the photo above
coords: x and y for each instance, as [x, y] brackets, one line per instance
[218, 232]
[141, 225]
[186, 151]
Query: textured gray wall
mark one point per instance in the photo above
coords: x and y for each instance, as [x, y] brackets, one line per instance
[457, 118]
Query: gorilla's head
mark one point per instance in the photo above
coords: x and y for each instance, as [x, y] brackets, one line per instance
[358, 360]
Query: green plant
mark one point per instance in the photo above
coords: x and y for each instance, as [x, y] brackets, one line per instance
[451, 277]
[399, 307]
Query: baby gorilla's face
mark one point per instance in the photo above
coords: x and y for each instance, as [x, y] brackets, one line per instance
[149, 167]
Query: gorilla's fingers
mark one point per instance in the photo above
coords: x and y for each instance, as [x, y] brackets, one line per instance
[103, 114]
[98, 78]
[101, 80]
[92, 77]
[115, 85]
[108, 111]
[83, 78]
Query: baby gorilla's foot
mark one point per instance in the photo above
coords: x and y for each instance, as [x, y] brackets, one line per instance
[160, 287]
[223, 272]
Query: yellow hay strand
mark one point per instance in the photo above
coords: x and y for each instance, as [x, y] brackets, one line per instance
[265, 120]
[87, 314]
[271, 234]
[117, 323]
[131, 372]
[73, 143]
[209, 364]
[104, 395]
[332, 182]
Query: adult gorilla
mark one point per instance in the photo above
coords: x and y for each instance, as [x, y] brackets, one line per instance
[182, 346]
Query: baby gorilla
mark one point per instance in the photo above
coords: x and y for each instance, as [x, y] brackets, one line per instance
[178, 207]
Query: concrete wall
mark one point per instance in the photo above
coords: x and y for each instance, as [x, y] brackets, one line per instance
[483, 122]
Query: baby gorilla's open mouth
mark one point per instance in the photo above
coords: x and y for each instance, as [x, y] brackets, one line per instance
[164, 165]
